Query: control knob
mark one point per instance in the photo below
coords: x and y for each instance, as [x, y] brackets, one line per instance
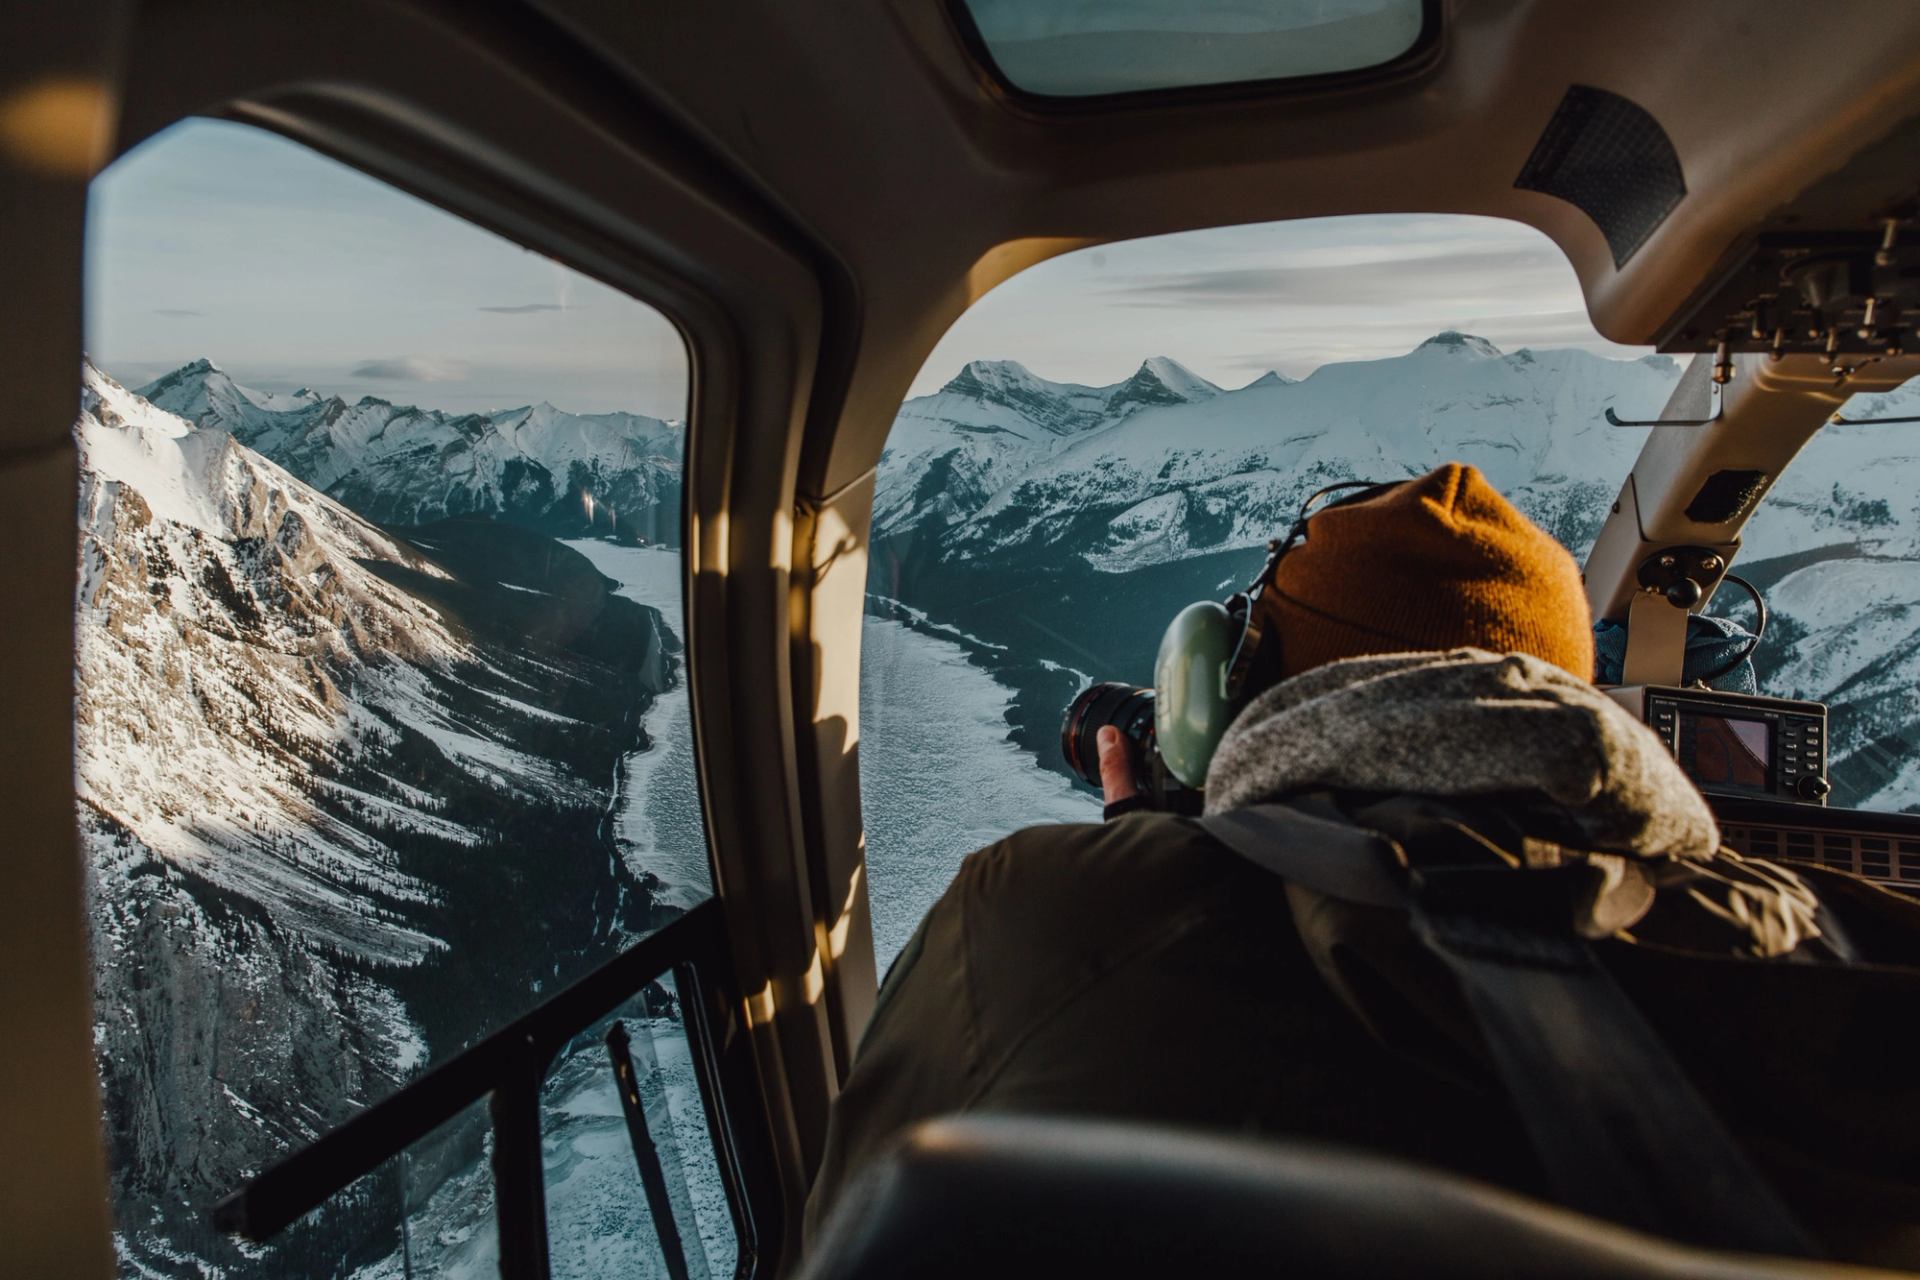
[1813, 787]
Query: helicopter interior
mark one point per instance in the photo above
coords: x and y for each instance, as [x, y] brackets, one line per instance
[811, 197]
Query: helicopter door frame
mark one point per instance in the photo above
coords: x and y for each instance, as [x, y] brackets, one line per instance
[523, 130]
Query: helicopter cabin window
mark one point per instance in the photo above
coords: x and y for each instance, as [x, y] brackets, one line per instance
[381, 715]
[1092, 48]
[1119, 431]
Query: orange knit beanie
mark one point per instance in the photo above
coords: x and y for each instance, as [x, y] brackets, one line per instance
[1435, 563]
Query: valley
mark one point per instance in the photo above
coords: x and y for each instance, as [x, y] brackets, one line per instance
[341, 791]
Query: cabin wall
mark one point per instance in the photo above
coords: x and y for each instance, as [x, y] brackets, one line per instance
[58, 85]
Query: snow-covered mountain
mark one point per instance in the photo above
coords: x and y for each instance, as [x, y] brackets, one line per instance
[561, 472]
[1204, 472]
[950, 451]
[335, 787]
[1271, 378]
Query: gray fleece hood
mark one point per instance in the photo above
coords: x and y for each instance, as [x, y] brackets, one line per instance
[1460, 724]
[1555, 752]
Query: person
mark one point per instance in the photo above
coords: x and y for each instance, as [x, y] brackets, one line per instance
[1430, 672]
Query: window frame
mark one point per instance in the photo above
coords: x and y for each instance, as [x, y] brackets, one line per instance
[509, 1066]
[529, 133]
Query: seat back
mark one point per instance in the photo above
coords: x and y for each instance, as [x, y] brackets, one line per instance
[1006, 1195]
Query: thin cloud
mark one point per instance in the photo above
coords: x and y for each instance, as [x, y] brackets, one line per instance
[1258, 364]
[1537, 329]
[410, 369]
[176, 313]
[524, 308]
[1367, 284]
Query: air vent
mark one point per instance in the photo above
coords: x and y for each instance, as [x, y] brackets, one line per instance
[1887, 857]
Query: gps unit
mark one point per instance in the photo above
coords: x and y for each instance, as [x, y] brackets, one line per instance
[1735, 744]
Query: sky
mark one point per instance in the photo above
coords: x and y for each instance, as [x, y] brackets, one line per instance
[1234, 302]
[290, 270]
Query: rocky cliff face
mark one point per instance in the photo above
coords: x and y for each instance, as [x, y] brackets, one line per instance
[342, 796]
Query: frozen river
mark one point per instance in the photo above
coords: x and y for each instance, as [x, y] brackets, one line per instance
[938, 777]
[657, 820]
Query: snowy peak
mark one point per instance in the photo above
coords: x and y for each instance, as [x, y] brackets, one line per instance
[399, 464]
[106, 401]
[987, 378]
[1271, 378]
[1179, 379]
[1003, 395]
[201, 392]
[1453, 342]
[200, 479]
[1160, 381]
[1064, 408]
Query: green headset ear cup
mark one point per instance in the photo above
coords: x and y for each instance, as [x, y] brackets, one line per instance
[1191, 708]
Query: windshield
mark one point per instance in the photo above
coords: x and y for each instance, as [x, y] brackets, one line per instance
[1117, 433]
[1836, 549]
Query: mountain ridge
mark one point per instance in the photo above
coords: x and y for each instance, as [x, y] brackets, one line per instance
[1216, 469]
[564, 473]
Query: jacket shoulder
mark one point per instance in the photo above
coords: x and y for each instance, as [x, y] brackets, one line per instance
[1097, 880]
[1050, 911]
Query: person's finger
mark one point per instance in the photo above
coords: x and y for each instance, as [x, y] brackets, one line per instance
[1116, 766]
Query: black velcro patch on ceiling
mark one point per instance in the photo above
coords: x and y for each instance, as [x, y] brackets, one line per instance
[1612, 161]
[1728, 495]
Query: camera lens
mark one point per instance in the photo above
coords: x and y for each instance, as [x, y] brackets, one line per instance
[1127, 707]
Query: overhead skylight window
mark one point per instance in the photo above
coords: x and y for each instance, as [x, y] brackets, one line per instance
[1089, 48]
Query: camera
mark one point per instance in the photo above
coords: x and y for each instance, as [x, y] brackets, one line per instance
[1130, 709]
[1174, 726]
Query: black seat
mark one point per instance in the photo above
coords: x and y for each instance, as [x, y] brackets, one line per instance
[1006, 1195]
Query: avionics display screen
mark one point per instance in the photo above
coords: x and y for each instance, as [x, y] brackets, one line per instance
[1724, 751]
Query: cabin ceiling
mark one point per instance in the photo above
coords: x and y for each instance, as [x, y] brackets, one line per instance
[871, 125]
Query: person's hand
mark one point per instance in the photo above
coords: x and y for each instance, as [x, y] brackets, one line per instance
[1116, 772]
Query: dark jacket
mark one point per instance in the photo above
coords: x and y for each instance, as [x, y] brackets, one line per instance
[1141, 969]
